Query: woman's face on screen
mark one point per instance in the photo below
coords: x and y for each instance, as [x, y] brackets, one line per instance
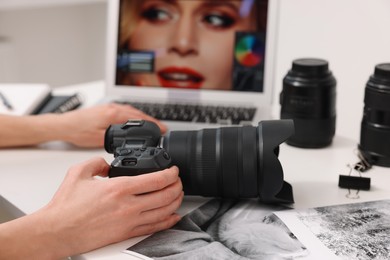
[193, 41]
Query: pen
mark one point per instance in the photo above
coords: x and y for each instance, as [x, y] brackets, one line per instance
[6, 102]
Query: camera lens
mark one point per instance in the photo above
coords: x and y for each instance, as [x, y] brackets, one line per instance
[200, 152]
[309, 97]
[232, 162]
[375, 126]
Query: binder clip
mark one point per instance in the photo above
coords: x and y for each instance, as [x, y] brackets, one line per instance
[356, 182]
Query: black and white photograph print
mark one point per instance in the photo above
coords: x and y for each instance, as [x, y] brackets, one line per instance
[352, 231]
[225, 229]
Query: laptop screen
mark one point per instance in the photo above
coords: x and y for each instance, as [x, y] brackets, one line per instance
[192, 44]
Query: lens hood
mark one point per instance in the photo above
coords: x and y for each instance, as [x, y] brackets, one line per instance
[272, 187]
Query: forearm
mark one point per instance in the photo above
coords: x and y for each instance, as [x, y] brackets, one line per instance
[30, 237]
[29, 130]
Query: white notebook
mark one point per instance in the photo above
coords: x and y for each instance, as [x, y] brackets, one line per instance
[22, 99]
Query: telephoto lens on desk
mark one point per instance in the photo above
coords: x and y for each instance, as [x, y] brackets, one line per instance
[375, 126]
[309, 98]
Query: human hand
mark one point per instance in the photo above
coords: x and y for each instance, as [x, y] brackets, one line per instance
[86, 127]
[87, 212]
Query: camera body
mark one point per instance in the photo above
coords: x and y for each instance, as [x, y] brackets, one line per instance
[136, 149]
[136, 161]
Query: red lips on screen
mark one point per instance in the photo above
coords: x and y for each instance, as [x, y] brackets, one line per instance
[174, 77]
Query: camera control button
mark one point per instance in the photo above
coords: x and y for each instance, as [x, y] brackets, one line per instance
[129, 162]
[137, 153]
[125, 151]
[166, 156]
[132, 123]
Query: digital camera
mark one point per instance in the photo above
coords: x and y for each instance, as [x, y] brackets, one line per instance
[228, 162]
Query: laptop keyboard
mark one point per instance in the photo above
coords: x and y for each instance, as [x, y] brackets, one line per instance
[196, 113]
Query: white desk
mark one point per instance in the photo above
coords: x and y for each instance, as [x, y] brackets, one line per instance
[30, 177]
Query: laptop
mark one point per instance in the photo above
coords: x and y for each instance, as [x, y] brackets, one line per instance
[193, 63]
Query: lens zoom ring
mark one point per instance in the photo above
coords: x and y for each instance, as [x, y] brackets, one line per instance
[207, 163]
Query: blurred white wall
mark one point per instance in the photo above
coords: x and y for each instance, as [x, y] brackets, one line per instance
[54, 44]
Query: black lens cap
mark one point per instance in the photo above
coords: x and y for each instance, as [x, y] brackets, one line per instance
[382, 71]
[310, 66]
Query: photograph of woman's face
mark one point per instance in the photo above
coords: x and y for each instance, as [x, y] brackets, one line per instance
[193, 40]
